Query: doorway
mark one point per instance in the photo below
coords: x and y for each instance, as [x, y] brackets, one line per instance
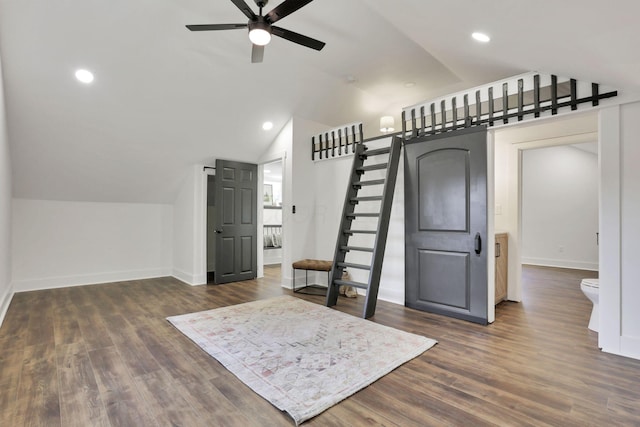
[231, 222]
[272, 213]
[510, 146]
[211, 226]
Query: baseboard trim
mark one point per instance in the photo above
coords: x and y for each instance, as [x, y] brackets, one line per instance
[5, 302]
[395, 296]
[561, 263]
[87, 279]
[630, 347]
[188, 278]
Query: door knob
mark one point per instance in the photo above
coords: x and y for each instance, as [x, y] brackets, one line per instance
[218, 231]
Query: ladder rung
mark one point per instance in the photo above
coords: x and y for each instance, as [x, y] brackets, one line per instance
[372, 167]
[366, 199]
[355, 248]
[359, 231]
[351, 283]
[372, 182]
[352, 265]
[363, 214]
[377, 151]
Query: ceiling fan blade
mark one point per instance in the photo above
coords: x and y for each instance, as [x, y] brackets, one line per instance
[215, 27]
[285, 8]
[244, 8]
[257, 53]
[297, 38]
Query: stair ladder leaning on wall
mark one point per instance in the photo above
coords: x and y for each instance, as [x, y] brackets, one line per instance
[352, 217]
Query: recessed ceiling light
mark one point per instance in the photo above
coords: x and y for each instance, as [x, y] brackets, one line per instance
[85, 76]
[481, 37]
[267, 126]
[409, 84]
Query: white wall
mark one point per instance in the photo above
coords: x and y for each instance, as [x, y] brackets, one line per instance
[630, 228]
[189, 228]
[620, 227]
[6, 288]
[560, 207]
[58, 243]
[298, 179]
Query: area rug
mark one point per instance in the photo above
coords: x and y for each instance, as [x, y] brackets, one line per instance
[301, 357]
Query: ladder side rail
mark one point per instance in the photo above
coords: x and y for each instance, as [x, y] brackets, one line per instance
[383, 228]
[345, 223]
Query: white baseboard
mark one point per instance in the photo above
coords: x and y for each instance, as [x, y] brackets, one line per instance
[394, 296]
[188, 278]
[561, 263]
[5, 300]
[630, 347]
[624, 346]
[286, 282]
[87, 279]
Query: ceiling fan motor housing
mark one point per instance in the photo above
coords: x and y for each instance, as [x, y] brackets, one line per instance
[259, 24]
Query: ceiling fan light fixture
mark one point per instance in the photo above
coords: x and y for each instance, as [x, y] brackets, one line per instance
[259, 33]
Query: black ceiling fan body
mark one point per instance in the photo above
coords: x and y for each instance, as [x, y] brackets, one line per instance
[265, 22]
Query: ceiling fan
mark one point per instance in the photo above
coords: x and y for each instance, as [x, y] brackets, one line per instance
[261, 27]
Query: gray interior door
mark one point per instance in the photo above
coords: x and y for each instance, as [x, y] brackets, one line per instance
[446, 224]
[236, 221]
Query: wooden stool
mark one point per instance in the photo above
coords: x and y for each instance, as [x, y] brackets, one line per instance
[313, 265]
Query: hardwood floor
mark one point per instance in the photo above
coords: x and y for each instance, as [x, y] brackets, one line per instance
[104, 355]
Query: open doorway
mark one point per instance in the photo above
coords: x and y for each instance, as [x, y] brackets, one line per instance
[547, 201]
[211, 225]
[272, 214]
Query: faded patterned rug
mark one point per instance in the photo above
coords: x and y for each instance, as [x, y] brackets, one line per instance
[300, 356]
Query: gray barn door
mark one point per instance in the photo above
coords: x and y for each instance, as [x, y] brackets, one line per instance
[446, 224]
[236, 221]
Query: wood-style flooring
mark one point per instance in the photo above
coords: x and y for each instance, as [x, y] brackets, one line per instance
[104, 355]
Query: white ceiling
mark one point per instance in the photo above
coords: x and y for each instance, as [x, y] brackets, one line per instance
[165, 98]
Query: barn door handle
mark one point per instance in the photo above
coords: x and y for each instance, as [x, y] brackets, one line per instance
[478, 245]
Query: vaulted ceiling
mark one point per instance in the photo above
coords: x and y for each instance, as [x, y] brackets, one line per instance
[165, 98]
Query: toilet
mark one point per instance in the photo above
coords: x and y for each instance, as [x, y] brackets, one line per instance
[591, 288]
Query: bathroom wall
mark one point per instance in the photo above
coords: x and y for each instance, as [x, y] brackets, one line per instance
[560, 207]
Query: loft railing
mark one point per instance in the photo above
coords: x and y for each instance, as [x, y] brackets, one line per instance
[336, 142]
[531, 95]
[524, 97]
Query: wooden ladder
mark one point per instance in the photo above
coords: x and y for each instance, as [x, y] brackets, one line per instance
[350, 218]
